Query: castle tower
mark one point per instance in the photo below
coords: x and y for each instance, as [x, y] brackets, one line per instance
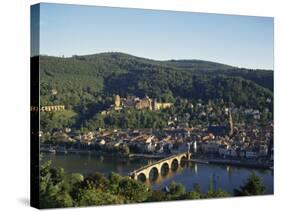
[117, 101]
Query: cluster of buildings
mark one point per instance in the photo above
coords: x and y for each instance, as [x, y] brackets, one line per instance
[246, 142]
[50, 108]
[140, 104]
[249, 141]
[143, 141]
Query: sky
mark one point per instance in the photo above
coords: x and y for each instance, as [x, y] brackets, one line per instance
[243, 41]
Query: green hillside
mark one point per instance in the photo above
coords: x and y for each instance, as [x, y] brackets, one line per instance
[80, 77]
[87, 84]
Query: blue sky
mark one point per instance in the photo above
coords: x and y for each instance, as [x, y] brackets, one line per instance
[243, 41]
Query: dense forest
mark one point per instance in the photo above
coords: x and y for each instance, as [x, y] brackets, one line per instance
[87, 84]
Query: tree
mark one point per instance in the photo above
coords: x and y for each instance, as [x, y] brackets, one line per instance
[176, 191]
[192, 195]
[53, 188]
[114, 179]
[195, 194]
[217, 194]
[196, 188]
[88, 197]
[133, 191]
[253, 186]
[213, 192]
[157, 196]
[76, 178]
[96, 180]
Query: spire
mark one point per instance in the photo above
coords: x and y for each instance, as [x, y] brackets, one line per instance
[230, 122]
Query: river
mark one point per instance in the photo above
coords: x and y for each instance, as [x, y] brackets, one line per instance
[222, 176]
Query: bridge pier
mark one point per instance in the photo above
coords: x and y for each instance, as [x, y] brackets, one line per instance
[188, 156]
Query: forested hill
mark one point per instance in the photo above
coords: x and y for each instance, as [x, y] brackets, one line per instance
[80, 79]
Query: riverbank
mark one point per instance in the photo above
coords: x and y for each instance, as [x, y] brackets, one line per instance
[102, 153]
[147, 156]
[247, 164]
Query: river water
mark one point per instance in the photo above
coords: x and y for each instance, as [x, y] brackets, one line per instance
[222, 176]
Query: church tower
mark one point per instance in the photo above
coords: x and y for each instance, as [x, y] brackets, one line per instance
[230, 123]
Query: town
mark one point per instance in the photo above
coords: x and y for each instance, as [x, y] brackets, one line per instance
[246, 142]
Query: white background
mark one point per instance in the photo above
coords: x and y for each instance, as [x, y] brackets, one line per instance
[14, 106]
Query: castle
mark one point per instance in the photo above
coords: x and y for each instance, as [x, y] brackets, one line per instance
[140, 104]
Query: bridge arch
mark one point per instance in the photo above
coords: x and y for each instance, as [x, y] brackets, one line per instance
[153, 173]
[142, 177]
[182, 159]
[174, 164]
[165, 167]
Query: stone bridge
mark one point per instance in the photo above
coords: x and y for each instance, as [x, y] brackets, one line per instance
[160, 166]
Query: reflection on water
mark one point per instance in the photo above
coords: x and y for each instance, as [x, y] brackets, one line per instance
[86, 164]
[168, 173]
[226, 177]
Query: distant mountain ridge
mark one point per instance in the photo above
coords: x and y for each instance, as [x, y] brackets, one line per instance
[181, 63]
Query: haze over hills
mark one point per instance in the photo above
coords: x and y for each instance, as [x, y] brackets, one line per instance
[77, 78]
